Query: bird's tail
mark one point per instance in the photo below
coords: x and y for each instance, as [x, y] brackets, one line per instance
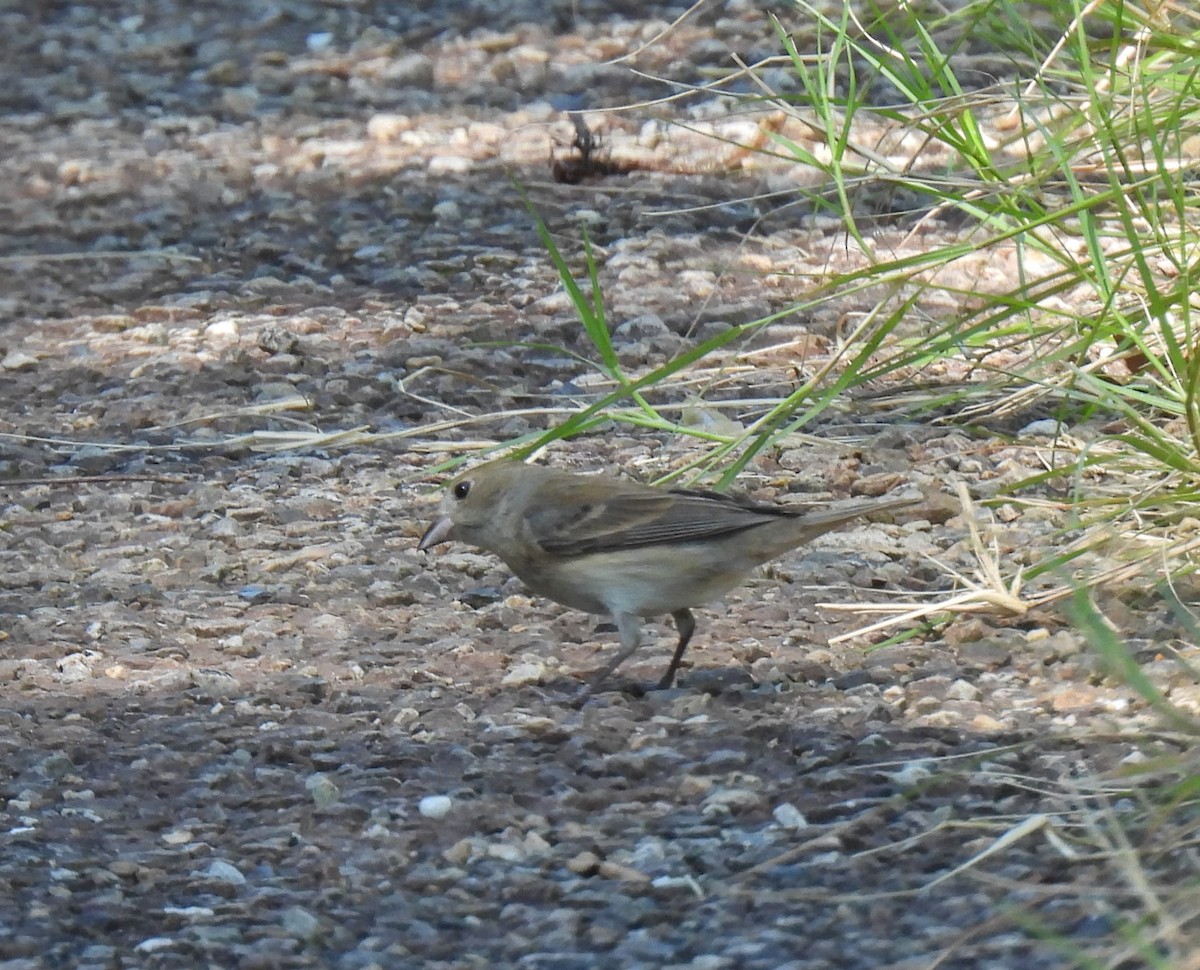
[809, 524]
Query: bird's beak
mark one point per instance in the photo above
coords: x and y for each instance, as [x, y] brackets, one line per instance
[442, 530]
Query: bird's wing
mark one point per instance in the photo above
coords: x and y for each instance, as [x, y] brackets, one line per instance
[638, 517]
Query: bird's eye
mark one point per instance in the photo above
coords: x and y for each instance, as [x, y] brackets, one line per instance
[461, 490]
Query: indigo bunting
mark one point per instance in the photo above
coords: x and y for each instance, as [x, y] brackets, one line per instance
[613, 547]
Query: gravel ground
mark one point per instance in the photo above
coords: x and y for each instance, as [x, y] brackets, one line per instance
[248, 725]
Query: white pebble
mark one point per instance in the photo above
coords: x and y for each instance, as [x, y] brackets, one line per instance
[788, 816]
[911, 774]
[1044, 428]
[222, 332]
[449, 165]
[962, 690]
[447, 211]
[524, 673]
[435, 806]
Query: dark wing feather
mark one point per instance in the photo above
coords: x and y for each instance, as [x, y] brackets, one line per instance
[642, 517]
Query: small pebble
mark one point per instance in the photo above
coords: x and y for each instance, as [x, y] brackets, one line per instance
[435, 806]
[323, 790]
[788, 816]
[225, 872]
[299, 923]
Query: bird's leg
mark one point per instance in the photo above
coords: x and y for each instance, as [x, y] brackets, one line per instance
[685, 623]
[629, 627]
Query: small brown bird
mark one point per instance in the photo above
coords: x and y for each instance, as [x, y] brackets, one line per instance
[608, 546]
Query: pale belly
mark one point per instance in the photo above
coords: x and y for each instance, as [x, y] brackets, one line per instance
[649, 581]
